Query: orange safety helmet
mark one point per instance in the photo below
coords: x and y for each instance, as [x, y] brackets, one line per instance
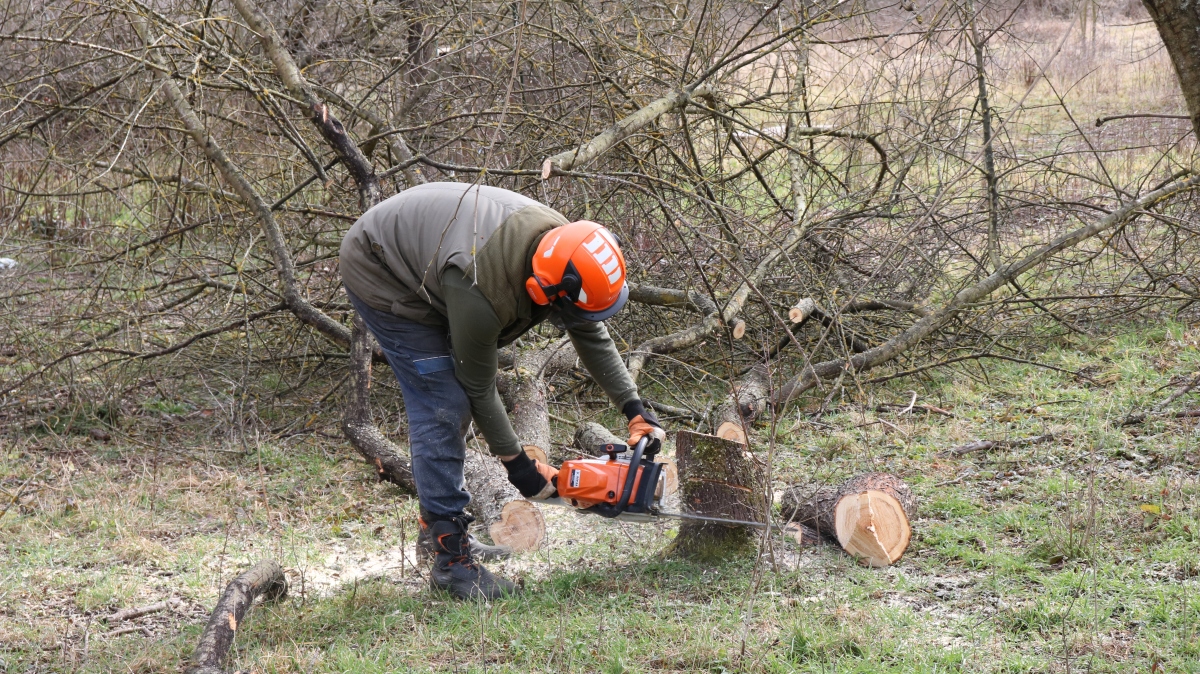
[579, 268]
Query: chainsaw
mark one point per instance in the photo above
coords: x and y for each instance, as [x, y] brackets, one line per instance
[627, 489]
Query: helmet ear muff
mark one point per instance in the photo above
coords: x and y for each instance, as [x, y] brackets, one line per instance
[535, 291]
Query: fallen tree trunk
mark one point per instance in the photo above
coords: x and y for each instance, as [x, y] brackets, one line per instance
[717, 478]
[867, 515]
[265, 578]
[527, 394]
[498, 507]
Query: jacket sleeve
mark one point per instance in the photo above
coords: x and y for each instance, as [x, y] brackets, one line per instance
[474, 331]
[599, 355]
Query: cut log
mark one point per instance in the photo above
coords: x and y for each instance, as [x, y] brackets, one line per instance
[747, 400]
[497, 506]
[494, 501]
[802, 310]
[739, 329]
[520, 526]
[717, 478]
[867, 515]
[534, 452]
[265, 578]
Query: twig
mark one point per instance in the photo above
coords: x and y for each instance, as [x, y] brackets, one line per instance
[1178, 394]
[1101, 120]
[930, 409]
[130, 630]
[20, 493]
[131, 613]
[988, 445]
[1139, 418]
[675, 411]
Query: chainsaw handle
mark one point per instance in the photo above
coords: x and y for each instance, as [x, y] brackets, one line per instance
[635, 462]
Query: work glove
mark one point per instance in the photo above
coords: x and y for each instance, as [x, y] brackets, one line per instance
[535, 480]
[642, 422]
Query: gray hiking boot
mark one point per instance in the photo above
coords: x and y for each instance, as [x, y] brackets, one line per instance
[455, 570]
[479, 549]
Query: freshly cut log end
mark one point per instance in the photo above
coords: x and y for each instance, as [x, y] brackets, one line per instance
[802, 310]
[867, 515]
[729, 430]
[520, 526]
[873, 527]
[745, 403]
[670, 473]
[547, 168]
[536, 453]
[803, 535]
[739, 329]
[498, 507]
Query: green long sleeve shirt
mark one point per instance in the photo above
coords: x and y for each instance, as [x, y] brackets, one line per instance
[474, 337]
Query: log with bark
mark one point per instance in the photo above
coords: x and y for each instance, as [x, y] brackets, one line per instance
[747, 400]
[867, 515]
[717, 478]
[498, 507]
[390, 463]
[266, 579]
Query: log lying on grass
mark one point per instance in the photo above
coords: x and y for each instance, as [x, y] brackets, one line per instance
[508, 518]
[498, 507]
[867, 515]
[265, 578]
[717, 478]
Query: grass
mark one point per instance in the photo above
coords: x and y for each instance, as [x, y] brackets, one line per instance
[1080, 553]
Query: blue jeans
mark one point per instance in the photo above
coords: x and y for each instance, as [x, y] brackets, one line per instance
[438, 410]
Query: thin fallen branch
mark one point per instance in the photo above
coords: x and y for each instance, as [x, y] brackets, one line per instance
[1101, 120]
[988, 445]
[929, 409]
[131, 613]
[1134, 419]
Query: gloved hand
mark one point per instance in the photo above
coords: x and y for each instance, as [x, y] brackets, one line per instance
[642, 422]
[534, 479]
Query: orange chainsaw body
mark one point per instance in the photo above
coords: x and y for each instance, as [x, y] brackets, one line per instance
[584, 483]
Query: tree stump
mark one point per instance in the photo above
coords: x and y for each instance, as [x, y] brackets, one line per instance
[717, 478]
[868, 515]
